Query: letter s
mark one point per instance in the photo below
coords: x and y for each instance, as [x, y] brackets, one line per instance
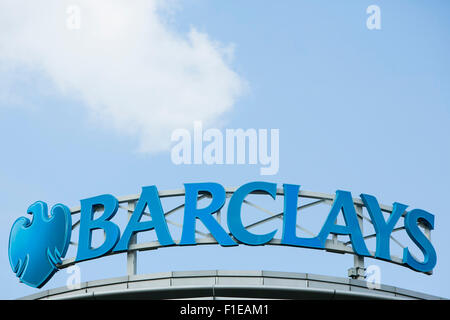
[416, 235]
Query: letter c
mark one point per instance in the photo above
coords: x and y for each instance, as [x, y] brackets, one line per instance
[234, 218]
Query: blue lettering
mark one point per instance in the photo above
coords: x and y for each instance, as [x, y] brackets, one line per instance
[149, 198]
[87, 225]
[411, 219]
[234, 213]
[289, 236]
[344, 202]
[382, 228]
[191, 213]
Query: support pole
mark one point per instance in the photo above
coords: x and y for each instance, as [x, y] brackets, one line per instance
[132, 255]
[358, 271]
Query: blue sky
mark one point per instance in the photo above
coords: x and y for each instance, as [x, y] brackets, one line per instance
[366, 111]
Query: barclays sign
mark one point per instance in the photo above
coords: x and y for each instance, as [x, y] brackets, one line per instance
[36, 247]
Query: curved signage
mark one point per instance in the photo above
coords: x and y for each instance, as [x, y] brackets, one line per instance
[36, 247]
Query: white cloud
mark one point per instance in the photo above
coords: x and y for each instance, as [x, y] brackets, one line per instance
[131, 70]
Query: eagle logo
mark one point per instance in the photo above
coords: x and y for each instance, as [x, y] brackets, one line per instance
[36, 247]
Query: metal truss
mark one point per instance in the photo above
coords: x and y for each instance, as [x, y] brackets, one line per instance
[307, 200]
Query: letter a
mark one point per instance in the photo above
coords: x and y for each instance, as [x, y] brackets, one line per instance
[374, 20]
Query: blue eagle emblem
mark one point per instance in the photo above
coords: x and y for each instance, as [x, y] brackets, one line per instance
[36, 247]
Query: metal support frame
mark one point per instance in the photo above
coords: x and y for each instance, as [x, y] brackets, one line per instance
[132, 255]
[358, 271]
[315, 198]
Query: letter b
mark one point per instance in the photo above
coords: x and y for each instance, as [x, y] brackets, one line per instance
[88, 224]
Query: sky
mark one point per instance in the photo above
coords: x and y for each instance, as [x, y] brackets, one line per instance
[90, 93]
